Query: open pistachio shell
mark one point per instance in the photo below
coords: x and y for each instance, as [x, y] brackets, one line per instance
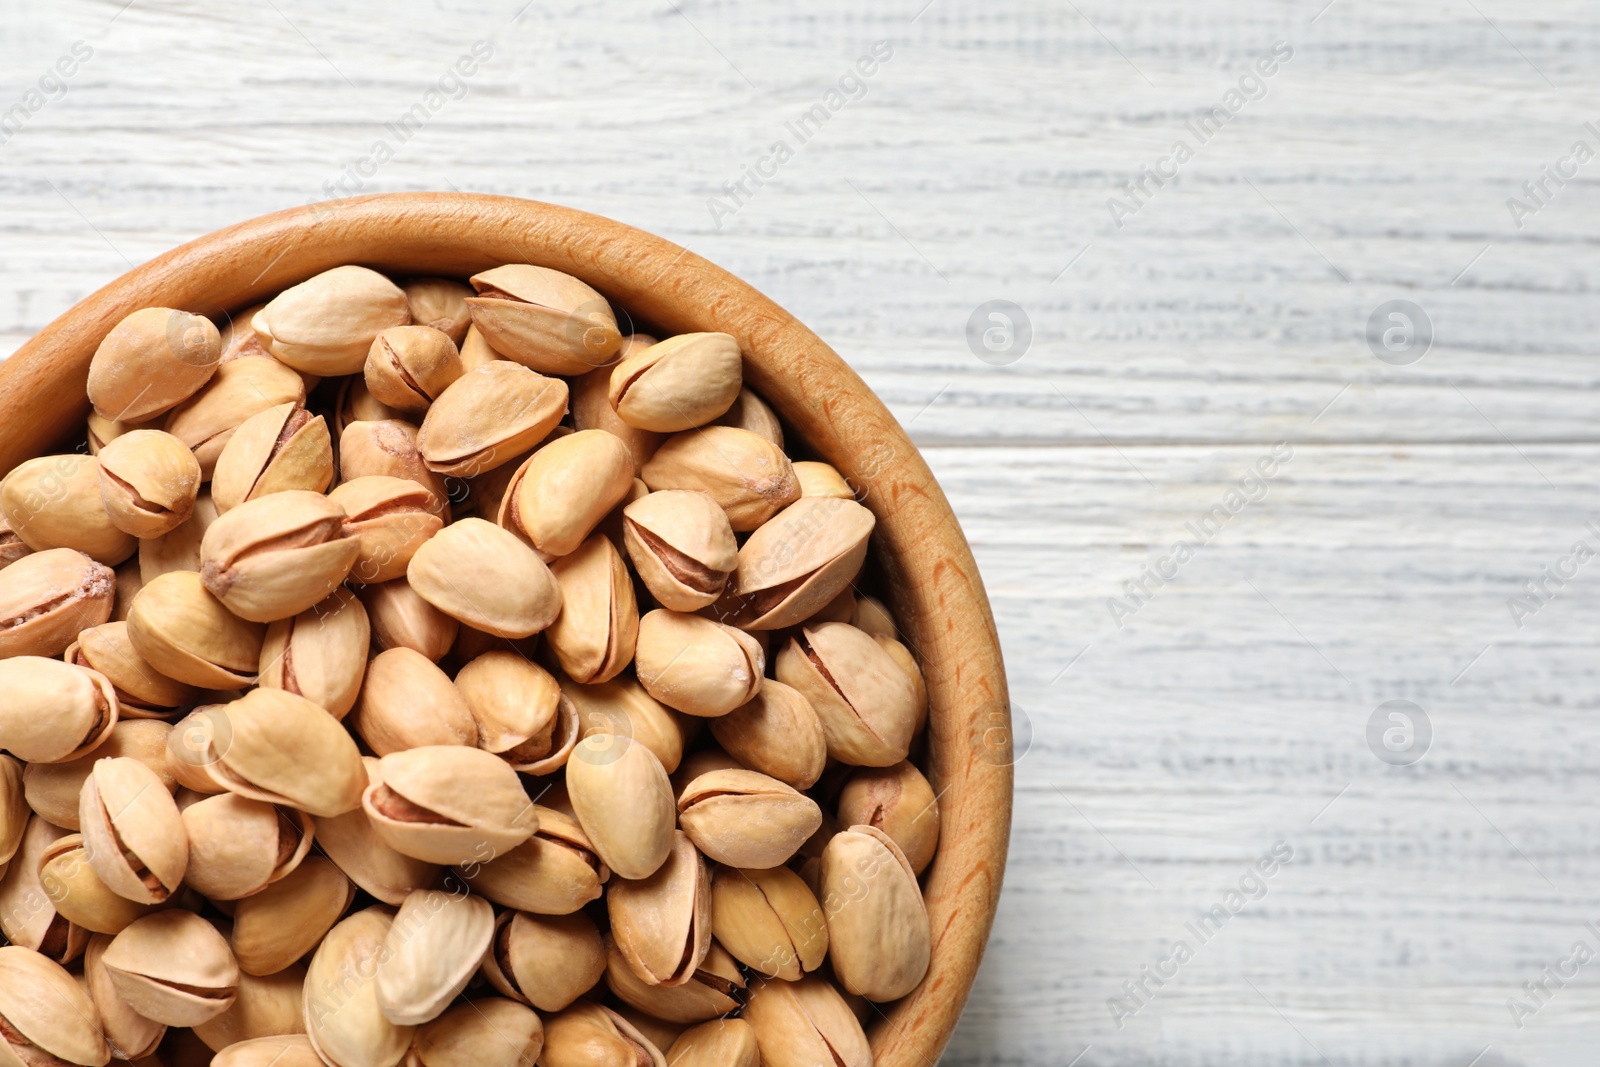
[286, 1050]
[47, 598]
[320, 654]
[483, 576]
[682, 545]
[142, 691]
[283, 749]
[714, 989]
[27, 917]
[747, 475]
[392, 518]
[432, 950]
[187, 634]
[389, 447]
[78, 894]
[804, 1023]
[449, 804]
[867, 702]
[488, 417]
[326, 324]
[55, 502]
[352, 842]
[286, 920]
[547, 961]
[408, 702]
[148, 482]
[746, 819]
[238, 846]
[769, 920]
[593, 637]
[173, 967]
[207, 421]
[561, 493]
[129, 1035]
[133, 834]
[55, 789]
[53, 712]
[899, 801]
[544, 319]
[284, 447]
[48, 1017]
[554, 872]
[685, 381]
[797, 563]
[719, 1043]
[878, 930]
[409, 366]
[277, 555]
[514, 703]
[662, 924]
[490, 1032]
[267, 1006]
[777, 733]
[587, 1034]
[342, 1016]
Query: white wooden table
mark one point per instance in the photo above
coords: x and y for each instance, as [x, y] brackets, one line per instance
[1228, 712]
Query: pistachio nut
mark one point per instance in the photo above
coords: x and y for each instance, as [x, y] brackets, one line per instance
[797, 563]
[678, 384]
[475, 351]
[148, 482]
[515, 704]
[748, 476]
[133, 833]
[353, 844]
[178, 550]
[700, 762]
[283, 447]
[402, 619]
[343, 1020]
[565, 488]
[697, 665]
[547, 961]
[142, 691]
[239, 340]
[822, 479]
[899, 801]
[879, 936]
[660, 1032]
[47, 597]
[432, 950]
[27, 917]
[594, 635]
[592, 410]
[746, 819]
[449, 804]
[186, 634]
[409, 366]
[555, 872]
[283, 1050]
[102, 431]
[53, 711]
[483, 576]
[173, 967]
[544, 319]
[79, 896]
[715, 988]
[769, 920]
[129, 1035]
[408, 702]
[238, 846]
[442, 304]
[903, 656]
[12, 547]
[777, 733]
[355, 403]
[286, 920]
[55, 502]
[750, 412]
[683, 547]
[389, 447]
[621, 706]
[207, 421]
[623, 801]
[283, 749]
[488, 416]
[486, 492]
[662, 924]
[326, 324]
[391, 518]
[492, 1032]
[46, 1017]
[587, 1034]
[277, 555]
[151, 361]
[53, 789]
[804, 1023]
[266, 1007]
[718, 1043]
[867, 703]
[320, 654]
[14, 813]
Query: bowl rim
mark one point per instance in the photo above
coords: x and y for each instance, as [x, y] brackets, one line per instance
[938, 596]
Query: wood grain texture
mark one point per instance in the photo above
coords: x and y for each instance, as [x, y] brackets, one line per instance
[1170, 355]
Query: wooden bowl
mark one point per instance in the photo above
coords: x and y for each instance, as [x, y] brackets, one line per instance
[926, 564]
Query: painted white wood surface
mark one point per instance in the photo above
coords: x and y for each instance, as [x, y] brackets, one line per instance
[1229, 712]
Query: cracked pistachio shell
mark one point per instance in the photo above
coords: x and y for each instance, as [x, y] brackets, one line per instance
[402, 619]
[515, 704]
[288, 919]
[151, 361]
[587, 1034]
[277, 555]
[47, 598]
[14, 813]
[389, 447]
[142, 691]
[804, 1023]
[867, 702]
[491, 1032]
[621, 706]
[148, 482]
[283, 749]
[49, 1018]
[320, 654]
[174, 968]
[697, 665]
[662, 924]
[284, 447]
[746, 819]
[714, 989]
[544, 319]
[797, 563]
[748, 476]
[483, 576]
[555, 872]
[391, 517]
[878, 930]
[27, 917]
[432, 951]
[53, 711]
[238, 846]
[682, 545]
[442, 304]
[449, 804]
[283, 1050]
[592, 410]
[822, 479]
[769, 920]
[623, 801]
[53, 789]
[409, 366]
[133, 833]
[678, 384]
[594, 635]
[55, 502]
[899, 801]
[408, 702]
[547, 961]
[326, 324]
[341, 1011]
[79, 896]
[777, 733]
[750, 412]
[178, 550]
[12, 547]
[188, 635]
[489, 416]
[266, 1007]
[565, 488]
[207, 421]
[129, 1035]
[719, 1043]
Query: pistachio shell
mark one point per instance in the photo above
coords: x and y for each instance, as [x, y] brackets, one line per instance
[587, 1034]
[750, 412]
[747, 475]
[129, 1035]
[475, 351]
[514, 704]
[408, 702]
[356, 404]
[488, 416]
[622, 706]
[548, 961]
[592, 410]
[719, 1043]
[286, 750]
[148, 482]
[799, 561]
[402, 619]
[555, 872]
[47, 598]
[77, 893]
[178, 550]
[133, 834]
[389, 447]
[878, 930]
[47, 1014]
[448, 804]
[353, 843]
[174, 968]
[27, 917]
[409, 366]
[746, 819]
[623, 801]
[899, 801]
[714, 989]
[544, 319]
[320, 654]
[53, 789]
[491, 1032]
[286, 920]
[141, 689]
[287, 1050]
[54, 711]
[440, 303]
[822, 479]
[391, 517]
[697, 665]
[678, 384]
[150, 361]
[188, 635]
[284, 447]
[266, 1007]
[343, 1019]
[769, 920]
[12, 547]
[866, 701]
[207, 421]
[777, 733]
[662, 924]
[430, 954]
[326, 324]
[565, 488]
[13, 808]
[481, 575]
[55, 502]
[277, 555]
[682, 545]
[593, 637]
[238, 846]
[804, 1023]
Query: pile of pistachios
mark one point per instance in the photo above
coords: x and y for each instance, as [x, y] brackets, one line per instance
[435, 674]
